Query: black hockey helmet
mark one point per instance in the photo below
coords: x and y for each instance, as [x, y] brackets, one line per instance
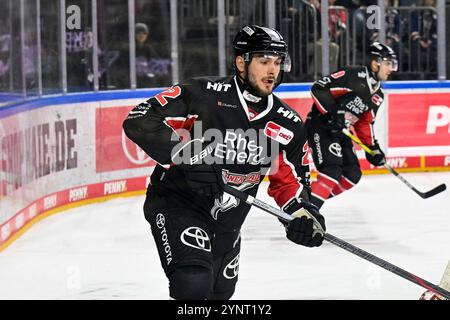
[382, 52]
[255, 39]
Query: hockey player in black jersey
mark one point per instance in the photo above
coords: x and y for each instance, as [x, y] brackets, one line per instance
[348, 97]
[196, 226]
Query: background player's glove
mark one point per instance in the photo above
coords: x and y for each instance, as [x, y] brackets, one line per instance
[308, 226]
[378, 159]
[336, 121]
[204, 179]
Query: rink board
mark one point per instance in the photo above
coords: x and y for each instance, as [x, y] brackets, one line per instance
[62, 150]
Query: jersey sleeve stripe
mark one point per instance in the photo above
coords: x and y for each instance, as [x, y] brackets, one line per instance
[318, 105]
[284, 184]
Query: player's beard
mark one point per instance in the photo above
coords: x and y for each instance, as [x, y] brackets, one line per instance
[256, 89]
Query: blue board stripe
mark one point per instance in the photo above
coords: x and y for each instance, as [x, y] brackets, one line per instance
[21, 106]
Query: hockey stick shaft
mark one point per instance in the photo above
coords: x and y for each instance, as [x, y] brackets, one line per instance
[342, 244]
[424, 195]
[359, 142]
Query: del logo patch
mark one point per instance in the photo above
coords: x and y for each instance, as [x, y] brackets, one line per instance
[377, 99]
[278, 133]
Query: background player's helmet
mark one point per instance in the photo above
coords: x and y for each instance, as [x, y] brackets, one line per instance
[379, 52]
[255, 39]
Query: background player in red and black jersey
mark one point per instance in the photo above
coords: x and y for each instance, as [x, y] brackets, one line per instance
[349, 97]
[196, 226]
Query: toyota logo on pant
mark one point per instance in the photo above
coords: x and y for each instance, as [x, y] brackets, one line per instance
[197, 238]
[160, 221]
[335, 148]
[232, 269]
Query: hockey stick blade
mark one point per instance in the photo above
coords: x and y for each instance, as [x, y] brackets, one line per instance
[423, 195]
[432, 192]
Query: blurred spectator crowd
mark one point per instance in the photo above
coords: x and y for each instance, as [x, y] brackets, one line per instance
[410, 29]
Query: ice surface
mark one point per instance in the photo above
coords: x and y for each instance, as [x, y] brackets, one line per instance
[106, 251]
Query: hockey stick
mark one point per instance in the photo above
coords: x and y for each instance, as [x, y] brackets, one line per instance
[424, 195]
[445, 283]
[341, 243]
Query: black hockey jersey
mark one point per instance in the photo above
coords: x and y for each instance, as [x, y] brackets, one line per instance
[355, 88]
[247, 143]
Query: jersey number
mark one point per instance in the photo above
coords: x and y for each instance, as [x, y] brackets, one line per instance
[172, 93]
[324, 81]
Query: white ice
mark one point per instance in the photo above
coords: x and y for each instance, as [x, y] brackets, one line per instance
[105, 250]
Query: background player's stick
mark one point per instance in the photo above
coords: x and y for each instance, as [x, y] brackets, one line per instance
[424, 195]
[341, 243]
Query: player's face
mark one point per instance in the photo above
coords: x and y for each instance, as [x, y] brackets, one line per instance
[263, 72]
[386, 68]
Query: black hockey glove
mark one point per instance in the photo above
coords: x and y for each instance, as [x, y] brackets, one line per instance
[336, 121]
[378, 159]
[308, 226]
[204, 179]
